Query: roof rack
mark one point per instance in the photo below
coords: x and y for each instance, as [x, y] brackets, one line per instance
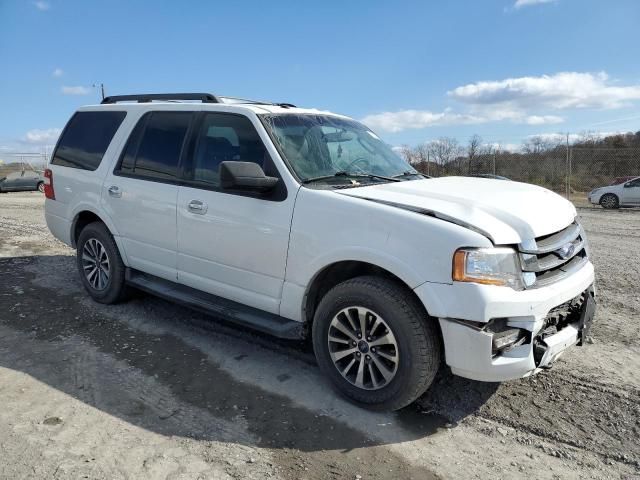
[149, 97]
[239, 100]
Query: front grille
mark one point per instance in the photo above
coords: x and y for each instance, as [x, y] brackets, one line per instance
[551, 258]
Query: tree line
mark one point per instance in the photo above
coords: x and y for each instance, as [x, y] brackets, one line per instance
[584, 162]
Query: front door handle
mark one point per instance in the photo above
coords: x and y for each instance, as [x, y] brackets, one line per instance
[196, 206]
[114, 191]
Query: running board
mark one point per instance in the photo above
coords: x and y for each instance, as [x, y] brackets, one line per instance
[229, 310]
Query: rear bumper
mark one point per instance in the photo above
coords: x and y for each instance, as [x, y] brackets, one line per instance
[468, 346]
[60, 227]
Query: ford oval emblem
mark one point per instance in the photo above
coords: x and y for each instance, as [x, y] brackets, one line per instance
[566, 251]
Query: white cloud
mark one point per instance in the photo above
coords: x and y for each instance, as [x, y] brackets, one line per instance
[417, 119]
[58, 72]
[528, 3]
[42, 5]
[42, 137]
[560, 91]
[521, 100]
[542, 119]
[79, 90]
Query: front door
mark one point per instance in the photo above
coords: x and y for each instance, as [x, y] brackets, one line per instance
[140, 195]
[631, 192]
[232, 244]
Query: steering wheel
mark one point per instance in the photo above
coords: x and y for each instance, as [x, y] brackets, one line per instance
[356, 161]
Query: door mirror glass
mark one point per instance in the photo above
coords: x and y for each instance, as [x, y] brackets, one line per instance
[247, 176]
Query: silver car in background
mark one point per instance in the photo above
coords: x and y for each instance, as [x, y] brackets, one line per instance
[626, 194]
[21, 181]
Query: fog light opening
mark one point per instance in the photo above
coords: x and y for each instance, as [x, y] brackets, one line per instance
[506, 338]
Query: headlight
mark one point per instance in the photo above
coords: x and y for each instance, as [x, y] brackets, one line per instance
[488, 266]
[594, 191]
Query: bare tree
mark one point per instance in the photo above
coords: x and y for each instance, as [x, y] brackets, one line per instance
[406, 152]
[473, 150]
[444, 150]
[541, 144]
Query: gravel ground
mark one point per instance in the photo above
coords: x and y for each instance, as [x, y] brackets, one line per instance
[152, 390]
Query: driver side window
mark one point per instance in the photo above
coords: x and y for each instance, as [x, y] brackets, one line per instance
[224, 137]
[634, 183]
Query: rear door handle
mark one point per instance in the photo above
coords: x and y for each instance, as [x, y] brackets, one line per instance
[114, 191]
[196, 206]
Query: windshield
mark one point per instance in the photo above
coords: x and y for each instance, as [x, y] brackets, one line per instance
[319, 146]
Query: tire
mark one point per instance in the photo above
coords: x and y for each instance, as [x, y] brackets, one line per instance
[40, 187]
[107, 284]
[409, 351]
[610, 200]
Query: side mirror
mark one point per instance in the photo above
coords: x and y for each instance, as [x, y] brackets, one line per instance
[245, 176]
[628, 185]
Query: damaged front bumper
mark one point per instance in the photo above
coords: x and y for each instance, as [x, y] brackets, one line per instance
[502, 348]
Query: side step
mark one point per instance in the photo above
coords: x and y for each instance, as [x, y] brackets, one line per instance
[234, 312]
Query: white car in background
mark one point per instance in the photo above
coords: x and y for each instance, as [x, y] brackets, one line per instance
[625, 194]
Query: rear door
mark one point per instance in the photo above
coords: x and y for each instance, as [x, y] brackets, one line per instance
[79, 164]
[232, 244]
[140, 195]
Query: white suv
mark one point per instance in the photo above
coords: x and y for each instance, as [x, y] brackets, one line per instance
[302, 223]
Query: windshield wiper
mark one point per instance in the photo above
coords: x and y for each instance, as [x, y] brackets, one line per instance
[409, 173]
[342, 173]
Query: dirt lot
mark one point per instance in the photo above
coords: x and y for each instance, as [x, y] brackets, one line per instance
[152, 390]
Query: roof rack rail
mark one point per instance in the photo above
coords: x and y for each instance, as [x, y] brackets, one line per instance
[232, 100]
[149, 97]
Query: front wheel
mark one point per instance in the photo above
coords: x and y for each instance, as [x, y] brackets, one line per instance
[376, 343]
[41, 187]
[609, 200]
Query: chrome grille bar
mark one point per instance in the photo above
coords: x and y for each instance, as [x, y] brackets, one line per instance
[554, 241]
[554, 257]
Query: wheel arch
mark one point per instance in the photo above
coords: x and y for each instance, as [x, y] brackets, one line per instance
[86, 216]
[338, 272]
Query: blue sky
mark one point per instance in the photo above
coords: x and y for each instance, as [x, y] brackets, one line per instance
[413, 70]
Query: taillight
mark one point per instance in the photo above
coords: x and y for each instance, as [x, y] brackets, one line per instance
[48, 184]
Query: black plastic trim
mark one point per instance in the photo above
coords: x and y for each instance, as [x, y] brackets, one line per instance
[149, 97]
[223, 308]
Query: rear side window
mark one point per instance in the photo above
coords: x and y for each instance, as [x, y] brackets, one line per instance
[155, 146]
[85, 139]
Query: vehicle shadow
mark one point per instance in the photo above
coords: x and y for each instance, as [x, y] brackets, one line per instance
[167, 369]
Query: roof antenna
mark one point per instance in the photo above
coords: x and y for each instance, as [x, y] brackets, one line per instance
[101, 85]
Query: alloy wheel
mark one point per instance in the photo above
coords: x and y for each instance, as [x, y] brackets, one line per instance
[95, 264]
[363, 348]
[608, 201]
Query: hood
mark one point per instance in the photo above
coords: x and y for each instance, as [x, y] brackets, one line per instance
[506, 212]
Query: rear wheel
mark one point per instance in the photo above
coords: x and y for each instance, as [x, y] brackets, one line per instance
[100, 265]
[376, 343]
[41, 187]
[609, 200]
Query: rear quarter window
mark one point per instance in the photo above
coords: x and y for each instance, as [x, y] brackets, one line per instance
[86, 138]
